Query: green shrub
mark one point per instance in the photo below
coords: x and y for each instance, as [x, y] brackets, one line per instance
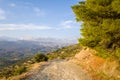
[111, 54]
[100, 26]
[20, 70]
[6, 73]
[40, 57]
[102, 52]
[118, 53]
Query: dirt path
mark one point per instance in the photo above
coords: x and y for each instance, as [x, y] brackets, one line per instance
[60, 70]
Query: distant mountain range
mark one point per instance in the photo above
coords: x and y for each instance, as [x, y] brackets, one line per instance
[4, 38]
[13, 50]
[41, 39]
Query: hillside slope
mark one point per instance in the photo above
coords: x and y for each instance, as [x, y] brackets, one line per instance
[12, 52]
[99, 68]
[78, 64]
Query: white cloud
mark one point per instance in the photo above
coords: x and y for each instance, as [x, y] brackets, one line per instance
[68, 24]
[2, 14]
[12, 4]
[10, 27]
[39, 12]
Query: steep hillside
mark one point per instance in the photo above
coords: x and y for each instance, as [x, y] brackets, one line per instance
[15, 51]
[99, 68]
[63, 53]
[12, 52]
[75, 61]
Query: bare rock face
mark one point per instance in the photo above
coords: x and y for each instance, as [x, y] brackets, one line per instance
[84, 54]
[88, 60]
[95, 64]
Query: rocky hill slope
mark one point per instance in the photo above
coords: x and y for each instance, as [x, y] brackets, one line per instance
[84, 65]
[99, 68]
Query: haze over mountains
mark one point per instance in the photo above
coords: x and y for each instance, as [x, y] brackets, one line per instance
[13, 50]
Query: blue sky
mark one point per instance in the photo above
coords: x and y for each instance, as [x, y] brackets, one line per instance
[38, 18]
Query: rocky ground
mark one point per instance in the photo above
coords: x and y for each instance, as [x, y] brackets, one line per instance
[59, 70]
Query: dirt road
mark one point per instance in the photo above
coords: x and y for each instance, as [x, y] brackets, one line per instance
[60, 70]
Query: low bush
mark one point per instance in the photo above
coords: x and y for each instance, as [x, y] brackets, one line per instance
[118, 53]
[40, 57]
[20, 70]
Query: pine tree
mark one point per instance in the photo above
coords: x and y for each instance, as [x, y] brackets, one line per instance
[101, 23]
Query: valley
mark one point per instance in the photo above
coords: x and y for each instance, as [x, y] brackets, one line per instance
[13, 51]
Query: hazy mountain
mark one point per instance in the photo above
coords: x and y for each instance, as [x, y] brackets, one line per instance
[4, 38]
[13, 50]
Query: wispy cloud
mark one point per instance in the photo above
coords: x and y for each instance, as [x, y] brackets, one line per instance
[38, 11]
[68, 24]
[12, 4]
[12, 27]
[2, 14]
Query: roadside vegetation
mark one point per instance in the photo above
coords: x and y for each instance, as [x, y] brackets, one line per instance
[21, 67]
[65, 52]
[39, 57]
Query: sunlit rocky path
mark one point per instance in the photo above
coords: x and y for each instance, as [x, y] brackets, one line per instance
[60, 70]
